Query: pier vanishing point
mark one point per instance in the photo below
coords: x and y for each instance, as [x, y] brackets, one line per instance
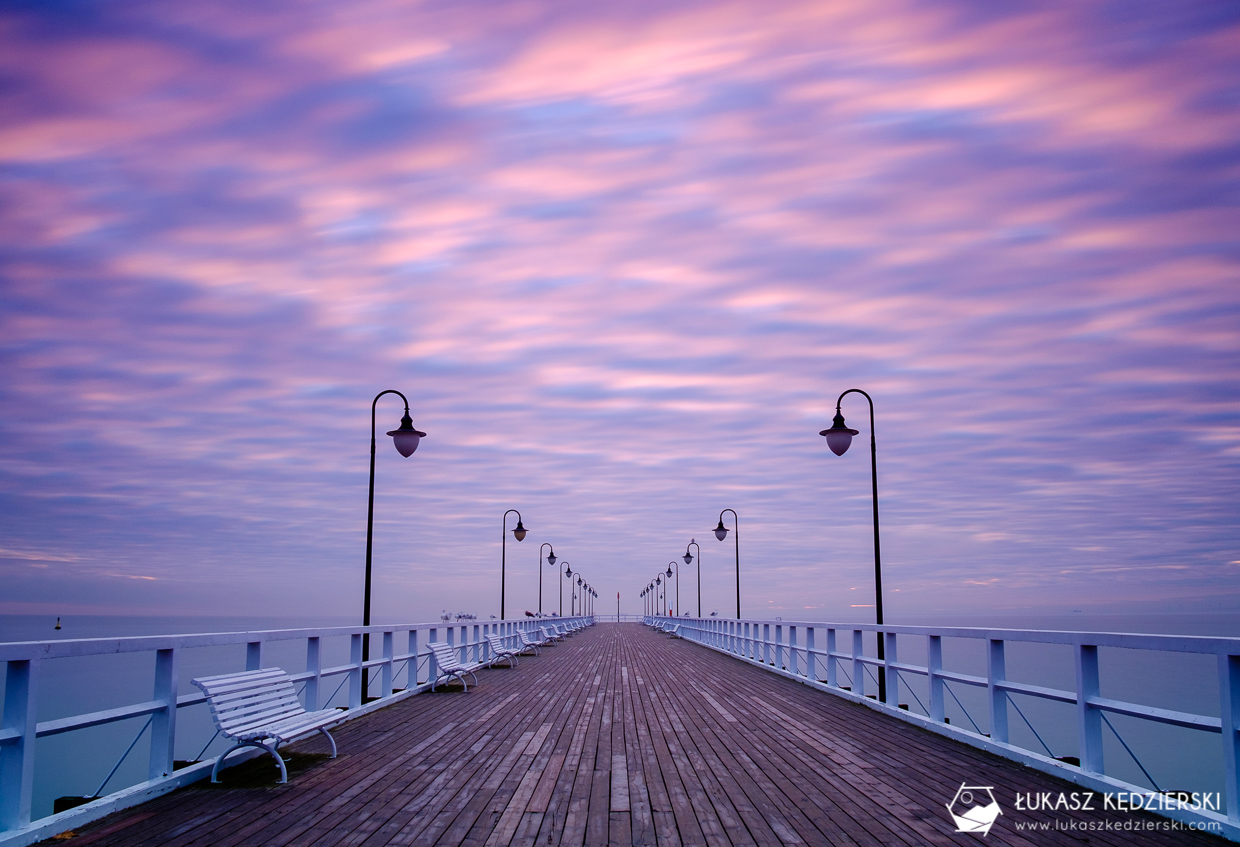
[620, 734]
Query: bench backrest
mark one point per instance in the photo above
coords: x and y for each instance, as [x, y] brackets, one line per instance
[497, 644]
[445, 656]
[242, 702]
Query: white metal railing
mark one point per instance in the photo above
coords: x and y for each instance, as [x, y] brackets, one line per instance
[409, 665]
[619, 618]
[828, 655]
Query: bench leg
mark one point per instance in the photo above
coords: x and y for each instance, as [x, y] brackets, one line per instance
[330, 741]
[215, 771]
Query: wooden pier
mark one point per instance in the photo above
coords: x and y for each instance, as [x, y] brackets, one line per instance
[619, 735]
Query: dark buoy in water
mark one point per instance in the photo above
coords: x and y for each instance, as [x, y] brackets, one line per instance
[58, 623]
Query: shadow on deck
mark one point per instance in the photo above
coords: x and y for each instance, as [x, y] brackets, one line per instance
[620, 735]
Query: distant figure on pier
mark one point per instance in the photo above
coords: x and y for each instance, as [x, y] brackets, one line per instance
[57, 623]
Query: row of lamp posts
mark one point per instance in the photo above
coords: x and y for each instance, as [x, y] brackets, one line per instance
[582, 595]
[406, 440]
[839, 438]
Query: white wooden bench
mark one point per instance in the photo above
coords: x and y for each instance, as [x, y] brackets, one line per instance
[499, 651]
[447, 664]
[260, 709]
[549, 634]
[530, 642]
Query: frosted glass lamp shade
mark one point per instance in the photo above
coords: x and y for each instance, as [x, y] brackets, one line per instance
[839, 436]
[721, 531]
[406, 438]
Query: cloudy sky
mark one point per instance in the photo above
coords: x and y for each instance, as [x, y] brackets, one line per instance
[622, 259]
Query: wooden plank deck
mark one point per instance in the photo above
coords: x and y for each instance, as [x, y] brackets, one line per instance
[618, 735]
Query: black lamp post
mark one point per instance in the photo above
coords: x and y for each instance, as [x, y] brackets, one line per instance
[658, 583]
[688, 557]
[669, 582]
[839, 437]
[519, 534]
[721, 532]
[576, 593]
[572, 597]
[406, 439]
[568, 572]
[550, 561]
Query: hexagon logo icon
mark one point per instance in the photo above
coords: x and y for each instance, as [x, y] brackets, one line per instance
[974, 808]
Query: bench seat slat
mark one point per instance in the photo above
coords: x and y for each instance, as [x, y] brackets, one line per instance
[230, 724]
[292, 727]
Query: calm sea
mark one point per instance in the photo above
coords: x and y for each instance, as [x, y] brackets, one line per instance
[79, 763]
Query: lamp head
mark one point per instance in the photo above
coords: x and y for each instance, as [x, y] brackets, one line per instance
[579, 580]
[721, 531]
[551, 557]
[519, 532]
[568, 569]
[669, 570]
[839, 436]
[406, 438]
[688, 557]
[658, 580]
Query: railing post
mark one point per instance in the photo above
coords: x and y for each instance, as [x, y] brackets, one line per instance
[858, 665]
[412, 673]
[1229, 690]
[386, 674]
[355, 673]
[934, 666]
[314, 666]
[766, 643]
[432, 666]
[893, 675]
[253, 655]
[779, 647]
[1089, 719]
[832, 674]
[792, 651]
[478, 645]
[164, 722]
[996, 674]
[21, 683]
[811, 660]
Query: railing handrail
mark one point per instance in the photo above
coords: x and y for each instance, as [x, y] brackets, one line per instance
[70, 647]
[1135, 640]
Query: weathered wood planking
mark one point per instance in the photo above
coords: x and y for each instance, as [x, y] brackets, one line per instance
[618, 735]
